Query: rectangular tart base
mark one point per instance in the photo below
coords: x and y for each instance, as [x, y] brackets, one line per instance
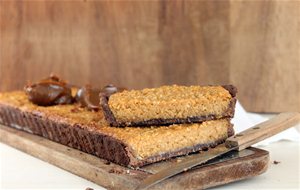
[89, 132]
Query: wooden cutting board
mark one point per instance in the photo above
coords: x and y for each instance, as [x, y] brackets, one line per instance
[113, 176]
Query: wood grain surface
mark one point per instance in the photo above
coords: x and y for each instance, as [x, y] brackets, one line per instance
[252, 44]
[113, 176]
[265, 54]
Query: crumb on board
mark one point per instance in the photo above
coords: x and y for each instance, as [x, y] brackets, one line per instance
[75, 110]
[116, 171]
[88, 188]
[106, 162]
[276, 162]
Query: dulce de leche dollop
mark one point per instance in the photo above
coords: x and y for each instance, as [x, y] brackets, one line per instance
[88, 97]
[49, 91]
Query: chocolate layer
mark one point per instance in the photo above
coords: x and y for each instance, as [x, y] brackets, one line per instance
[85, 138]
[184, 151]
[75, 136]
[109, 116]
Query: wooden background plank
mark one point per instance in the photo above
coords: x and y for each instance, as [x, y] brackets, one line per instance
[252, 44]
[131, 44]
[265, 54]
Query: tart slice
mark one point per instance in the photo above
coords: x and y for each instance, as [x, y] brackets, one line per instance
[76, 127]
[168, 105]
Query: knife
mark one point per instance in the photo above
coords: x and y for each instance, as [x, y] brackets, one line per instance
[237, 142]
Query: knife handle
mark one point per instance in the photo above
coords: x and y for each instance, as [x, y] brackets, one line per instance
[263, 130]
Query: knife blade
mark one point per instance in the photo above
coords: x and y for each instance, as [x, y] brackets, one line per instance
[159, 166]
[238, 142]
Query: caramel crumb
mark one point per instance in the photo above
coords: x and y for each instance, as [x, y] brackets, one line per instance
[88, 188]
[276, 162]
[107, 162]
[75, 110]
[116, 171]
[172, 160]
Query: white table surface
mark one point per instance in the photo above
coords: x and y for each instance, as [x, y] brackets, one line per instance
[21, 171]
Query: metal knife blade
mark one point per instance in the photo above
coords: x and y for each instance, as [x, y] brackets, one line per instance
[184, 166]
[231, 155]
[238, 142]
[158, 167]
